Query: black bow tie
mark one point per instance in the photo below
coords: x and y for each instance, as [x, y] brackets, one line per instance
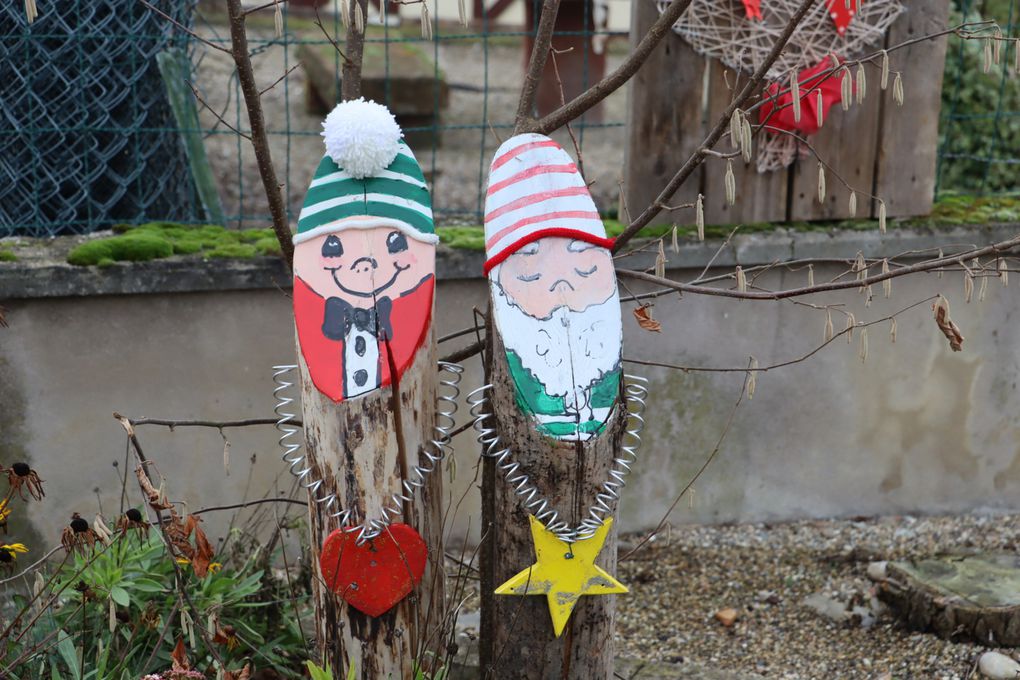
[340, 315]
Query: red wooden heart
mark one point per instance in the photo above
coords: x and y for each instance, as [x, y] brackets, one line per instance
[842, 13]
[379, 573]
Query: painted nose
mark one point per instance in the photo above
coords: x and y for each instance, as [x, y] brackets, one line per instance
[363, 264]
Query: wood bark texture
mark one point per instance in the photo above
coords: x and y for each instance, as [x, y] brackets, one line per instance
[974, 598]
[519, 642]
[354, 448]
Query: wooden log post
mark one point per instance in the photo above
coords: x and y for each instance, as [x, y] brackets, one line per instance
[553, 362]
[364, 277]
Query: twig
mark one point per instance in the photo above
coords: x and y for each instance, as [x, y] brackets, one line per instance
[536, 65]
[994, 249]
[280, 79]
[201, 100]
[259, 501]
[697, 475]
[259, 138]
[271, 3]
[216, 424]
[350, 83]
[721, 125]
[196, 36]
[31, 566]
[336, 46]
[605, 87]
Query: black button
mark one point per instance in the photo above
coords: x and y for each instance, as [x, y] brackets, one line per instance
[360, 377]
[359, 346]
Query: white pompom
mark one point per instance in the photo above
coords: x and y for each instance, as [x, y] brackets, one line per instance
[362, 137]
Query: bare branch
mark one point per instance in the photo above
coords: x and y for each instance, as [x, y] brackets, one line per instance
[196, 36]
[217, 425]
[219, 116]
[615, 80]
[259, 138]
[350, 83]
[928, 265]
[721, 125]
[536, 65]
[280, 79]
[318, 22]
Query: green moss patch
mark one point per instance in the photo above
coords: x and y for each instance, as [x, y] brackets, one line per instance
[157, 240]
[7, 256]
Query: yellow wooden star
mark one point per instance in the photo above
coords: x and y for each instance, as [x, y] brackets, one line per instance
[563, 572]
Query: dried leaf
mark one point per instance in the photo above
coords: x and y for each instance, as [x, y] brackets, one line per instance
[644, 318]
[203, 555]
[179, 656]
[946, 325]
[897, 89]
[243, 674]
[31, 11]
[278, 18]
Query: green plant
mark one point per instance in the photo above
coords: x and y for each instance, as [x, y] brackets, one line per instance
[156, 240]
[980, 129]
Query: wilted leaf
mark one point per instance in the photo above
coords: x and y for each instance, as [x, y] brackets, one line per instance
[946, 325]
[203, 550]
[180, 656]
[645, 320]
[243, 674]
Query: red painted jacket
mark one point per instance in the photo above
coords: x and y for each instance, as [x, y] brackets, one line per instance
[409, 318]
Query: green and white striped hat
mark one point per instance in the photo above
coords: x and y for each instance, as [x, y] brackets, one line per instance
[368, 178]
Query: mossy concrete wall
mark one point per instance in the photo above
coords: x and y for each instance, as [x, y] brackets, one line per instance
[914, 429]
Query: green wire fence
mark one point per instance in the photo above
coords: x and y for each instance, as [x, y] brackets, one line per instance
[99, 123]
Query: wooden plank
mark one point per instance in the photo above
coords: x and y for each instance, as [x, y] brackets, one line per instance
[908, 143]
[664, 124]
[848, 142]
[761, 197]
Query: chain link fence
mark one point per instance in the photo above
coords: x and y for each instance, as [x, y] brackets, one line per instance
[101, 125]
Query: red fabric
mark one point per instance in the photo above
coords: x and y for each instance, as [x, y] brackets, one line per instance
[606, 243]
[410, 320]
[753, 9]
[811, 81]
[841, 15]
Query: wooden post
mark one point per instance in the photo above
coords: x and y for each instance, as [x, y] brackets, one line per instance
[364, 278]
[553, 361]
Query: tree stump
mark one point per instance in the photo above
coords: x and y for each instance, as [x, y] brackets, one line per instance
[974, 598]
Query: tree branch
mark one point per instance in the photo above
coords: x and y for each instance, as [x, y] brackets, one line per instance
[350, 78]
[536, 65]
[615, 80]
[259, 139]
[698, 157]
[928, 265]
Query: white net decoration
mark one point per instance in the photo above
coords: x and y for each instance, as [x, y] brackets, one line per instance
[721, 29]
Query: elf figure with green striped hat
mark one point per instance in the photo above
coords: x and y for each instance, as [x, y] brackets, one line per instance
[364, 257]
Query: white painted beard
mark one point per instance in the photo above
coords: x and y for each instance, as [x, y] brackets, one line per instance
[592, 337]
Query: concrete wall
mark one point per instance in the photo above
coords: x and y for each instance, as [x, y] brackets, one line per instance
[916, 428]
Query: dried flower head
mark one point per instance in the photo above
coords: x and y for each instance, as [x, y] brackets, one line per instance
[795, 95]
[78, 536]
[897, 89]
[949, 329]
[699, 216]
[885, 69]
[846, 88]
[821, 183]
[852, 203]
[22, 477]
[819, 108]
[731, 183]
[862, 84]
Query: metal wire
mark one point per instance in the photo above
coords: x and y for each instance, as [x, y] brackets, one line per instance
[433, 451]
[635, 392]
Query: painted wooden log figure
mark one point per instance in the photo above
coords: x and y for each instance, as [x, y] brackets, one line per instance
[556, 311]
[554, 294]
[364, 256]
[364, 277]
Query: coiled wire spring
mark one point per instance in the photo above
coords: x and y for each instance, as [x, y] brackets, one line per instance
[434, 450]
[635, 392]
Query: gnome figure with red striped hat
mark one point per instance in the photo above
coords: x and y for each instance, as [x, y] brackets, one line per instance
[554, 294]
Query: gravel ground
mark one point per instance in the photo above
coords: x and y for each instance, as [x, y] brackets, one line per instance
[464, 154]
[766, 572]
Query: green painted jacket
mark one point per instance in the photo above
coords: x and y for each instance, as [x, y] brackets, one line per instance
[533, 398]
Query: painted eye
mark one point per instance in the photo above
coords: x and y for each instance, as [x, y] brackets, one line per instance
[396, 242]
[332, 247]
[588, 273]
[533, 277]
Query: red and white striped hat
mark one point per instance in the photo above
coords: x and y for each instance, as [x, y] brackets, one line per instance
[536, 191]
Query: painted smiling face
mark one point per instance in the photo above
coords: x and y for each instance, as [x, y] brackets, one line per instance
[361, 266]
[364, 256]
